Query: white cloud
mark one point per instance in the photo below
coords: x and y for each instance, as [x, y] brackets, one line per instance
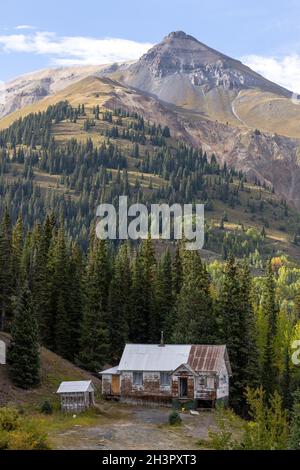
[67, 50]
[25, 26]
[285, 71]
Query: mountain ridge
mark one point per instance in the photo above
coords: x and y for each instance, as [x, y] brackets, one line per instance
[253, 129]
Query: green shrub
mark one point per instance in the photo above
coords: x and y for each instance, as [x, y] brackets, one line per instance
[4, 440]
[9, 419]
[174, 418]
[20, 432]
[47, 408]
[28, 437]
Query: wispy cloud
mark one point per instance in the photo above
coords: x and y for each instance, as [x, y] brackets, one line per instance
[285, 70]
[68, 50]
[24, 26]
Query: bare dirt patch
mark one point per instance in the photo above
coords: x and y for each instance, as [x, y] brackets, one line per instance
[137, 428]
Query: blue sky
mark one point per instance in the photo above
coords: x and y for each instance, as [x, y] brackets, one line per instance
[35, 34]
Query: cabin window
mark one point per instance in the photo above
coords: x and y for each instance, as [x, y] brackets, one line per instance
[210, 382]
[202, 381]
[165, 379]
[137, 378]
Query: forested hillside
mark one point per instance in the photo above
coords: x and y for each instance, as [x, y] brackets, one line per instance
[85, 307]
[83, 298]
[67, 160]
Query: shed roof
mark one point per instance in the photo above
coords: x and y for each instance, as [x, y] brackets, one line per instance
[152, 357]
[208, 358]
[76, 386]
[111, 370]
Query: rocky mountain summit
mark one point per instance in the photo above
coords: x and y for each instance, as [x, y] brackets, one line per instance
[182, 55]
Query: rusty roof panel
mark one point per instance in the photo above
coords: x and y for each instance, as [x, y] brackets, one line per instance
[204, 358]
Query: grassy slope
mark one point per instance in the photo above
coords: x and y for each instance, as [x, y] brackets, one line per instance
[54, 370]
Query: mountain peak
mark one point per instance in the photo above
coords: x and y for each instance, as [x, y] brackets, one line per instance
[181, 69]
[180, 35]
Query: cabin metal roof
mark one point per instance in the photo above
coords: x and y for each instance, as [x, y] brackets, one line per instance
[152, 357]
[167, 358]
[76, 386]
[208, 358]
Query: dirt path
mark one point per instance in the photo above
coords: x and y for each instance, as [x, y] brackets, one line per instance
[137, 428]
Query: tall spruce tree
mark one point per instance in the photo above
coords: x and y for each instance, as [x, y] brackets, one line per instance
[270, 309]
[56, 318]
[294, 439]
[149, 267]
[6, 277]
[94, 343]
[75, 301]
[164, 300]
[119, 303]
[177, 272]
[23, 353]
[297, 305]
[40, 279]
[139, 317]
[286, 381]
[144, 321]
[232, 328]
[248, 364]
[195, 320]
[17, 249]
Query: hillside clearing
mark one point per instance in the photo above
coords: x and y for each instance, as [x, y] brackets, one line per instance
[54, 370]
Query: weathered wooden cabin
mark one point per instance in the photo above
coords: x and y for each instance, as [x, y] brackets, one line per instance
[150, 373]
[76, 396]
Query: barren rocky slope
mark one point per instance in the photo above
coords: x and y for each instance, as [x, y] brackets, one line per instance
[33, 87]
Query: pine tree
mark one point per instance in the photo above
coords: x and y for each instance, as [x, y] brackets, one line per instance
[17, 247]
[248, 363]
[119, 303]
[230, 314]
[164, 301]
[270, 373]
[6, 278]
[144, 321]
[294, 439]
[75, 301]
[66, 268]
[177, 273]
[23, 353]
[55, 319]
[139, 318]
[297, 305]
[94, 343]
[195, 320]
[40, 277]
[286, 391]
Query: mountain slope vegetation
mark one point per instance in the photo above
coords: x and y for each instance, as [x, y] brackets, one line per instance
[70, 158]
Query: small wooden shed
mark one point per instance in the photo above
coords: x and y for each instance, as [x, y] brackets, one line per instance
[76, 396]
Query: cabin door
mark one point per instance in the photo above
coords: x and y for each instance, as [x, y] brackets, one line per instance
[115, 385]
[183, 387]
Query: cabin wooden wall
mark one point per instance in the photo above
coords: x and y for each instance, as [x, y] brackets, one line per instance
[150, 387]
